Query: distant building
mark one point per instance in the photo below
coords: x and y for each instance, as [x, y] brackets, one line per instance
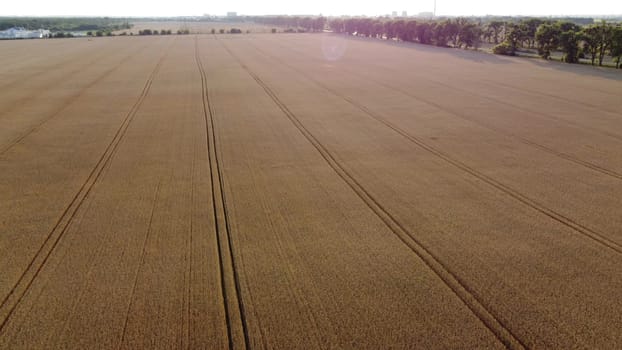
[232, 14]
[21, 33]
[404, 14]
[394, 14]
[427, 15]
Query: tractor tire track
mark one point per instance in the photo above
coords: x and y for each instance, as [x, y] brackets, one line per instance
[511, 105]
[140, 264]
[53, 67]
[22, 101]
[70, 57]
[561, 98]
[521, 139]
[451, 280]
[186, 314]
[508, 104]
[15, 296]
[590, 233]
[537, 113]
[414, 45]
[69, 102]
[231, 290]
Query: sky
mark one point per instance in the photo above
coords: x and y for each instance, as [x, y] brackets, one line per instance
[135, 8]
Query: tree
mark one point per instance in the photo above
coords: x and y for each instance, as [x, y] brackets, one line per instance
[364, 27]
[503, 49]
[605, 32]
[590, 42]
[547, 37]
[399, 28]
[451, 31]
[337, 25]
[425, 33]
[616, 45]
[589, 36]
[512, 37]
[597, 40]
[487, 34]
[389, 29]
[440, 34]
[565, 26]
[306, 23]
[318, 24]
[411, 28]
[377, 29]
[528, 30]
[495, 27]
[569, 43]
[470, 35]
[349, 26]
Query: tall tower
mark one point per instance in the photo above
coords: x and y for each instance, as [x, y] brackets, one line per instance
[434, 13]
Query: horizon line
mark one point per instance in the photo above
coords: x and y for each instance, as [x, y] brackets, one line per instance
[302, 14]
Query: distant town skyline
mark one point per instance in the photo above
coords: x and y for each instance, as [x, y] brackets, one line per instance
[121, 8]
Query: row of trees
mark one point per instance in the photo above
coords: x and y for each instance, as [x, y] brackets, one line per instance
[298, 23]
[575, 41]
[155, 32]
[61, 35]
[229, 31]
[65, 24]
[458, 32]
[593, 41]
[99, 33]
[140, 32]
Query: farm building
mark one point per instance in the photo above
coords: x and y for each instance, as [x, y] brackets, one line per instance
[22, 33]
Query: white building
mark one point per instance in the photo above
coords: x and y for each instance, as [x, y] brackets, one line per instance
[21, 33]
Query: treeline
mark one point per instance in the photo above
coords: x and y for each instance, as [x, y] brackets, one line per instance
[294, 23]
[161, 32]
[594, 41]
[229, 31]
[61, 35]
[459, 32]
[575, 41]
[65, 24]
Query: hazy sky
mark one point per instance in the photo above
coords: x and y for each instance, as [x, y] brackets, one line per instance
[325, 7]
